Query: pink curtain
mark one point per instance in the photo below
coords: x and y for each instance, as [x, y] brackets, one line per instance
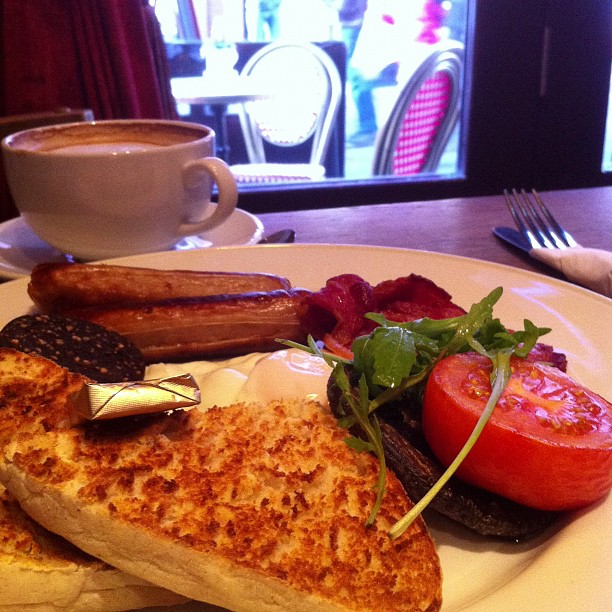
[107, 55]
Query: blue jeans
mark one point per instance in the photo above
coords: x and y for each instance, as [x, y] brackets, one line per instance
[361, 88]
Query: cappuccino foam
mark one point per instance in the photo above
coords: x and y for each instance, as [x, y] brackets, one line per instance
[93, 138]
[106, 147]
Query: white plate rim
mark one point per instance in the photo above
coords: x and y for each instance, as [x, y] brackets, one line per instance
[554, 573]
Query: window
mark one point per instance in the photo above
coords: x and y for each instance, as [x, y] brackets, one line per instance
[535, 99]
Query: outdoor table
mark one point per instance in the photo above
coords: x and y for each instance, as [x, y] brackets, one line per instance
[218, 94]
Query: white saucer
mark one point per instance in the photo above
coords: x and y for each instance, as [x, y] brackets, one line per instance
[21, 249]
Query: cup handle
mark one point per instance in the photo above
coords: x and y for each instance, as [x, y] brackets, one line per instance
[226, 184]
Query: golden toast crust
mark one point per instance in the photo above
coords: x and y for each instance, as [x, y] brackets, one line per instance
[24, 541]
[269, 494]
[38, 569]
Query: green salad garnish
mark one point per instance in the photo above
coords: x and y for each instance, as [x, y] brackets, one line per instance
[396, 358]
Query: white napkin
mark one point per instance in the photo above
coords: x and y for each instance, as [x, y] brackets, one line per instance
[591, 268]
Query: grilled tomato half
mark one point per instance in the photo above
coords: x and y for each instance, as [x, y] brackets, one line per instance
[548, 443]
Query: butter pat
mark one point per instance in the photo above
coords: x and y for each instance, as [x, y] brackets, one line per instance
[103, 401]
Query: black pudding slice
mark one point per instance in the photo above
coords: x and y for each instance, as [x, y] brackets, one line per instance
[79, 346]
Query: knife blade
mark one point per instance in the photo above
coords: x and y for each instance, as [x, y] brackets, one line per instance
[283, 236]
[513, 237]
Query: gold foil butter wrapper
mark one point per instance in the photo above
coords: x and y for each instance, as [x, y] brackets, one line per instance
[103, 401]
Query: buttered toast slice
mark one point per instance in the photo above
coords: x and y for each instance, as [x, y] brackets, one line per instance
[40, 571]
[250, 507]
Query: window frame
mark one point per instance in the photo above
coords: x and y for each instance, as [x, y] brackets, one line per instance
[530, 67]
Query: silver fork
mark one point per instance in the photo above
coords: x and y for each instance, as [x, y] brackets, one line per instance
[535, 221]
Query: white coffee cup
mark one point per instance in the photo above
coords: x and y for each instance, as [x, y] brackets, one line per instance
[110, 188]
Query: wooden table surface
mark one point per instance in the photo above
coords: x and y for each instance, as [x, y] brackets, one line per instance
[459, 226]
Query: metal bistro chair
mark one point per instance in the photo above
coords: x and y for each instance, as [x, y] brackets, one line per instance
[423, 117]
[306, 92]
[15, 123]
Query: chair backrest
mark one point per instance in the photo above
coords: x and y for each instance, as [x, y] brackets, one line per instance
[423, 116]
[16, 123]
[307, 92]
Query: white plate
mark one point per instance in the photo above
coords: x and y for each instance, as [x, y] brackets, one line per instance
[569, 569]
[21, 249]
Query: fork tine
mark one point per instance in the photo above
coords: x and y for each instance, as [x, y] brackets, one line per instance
[534, 220]
[518, 220]
[516, 210]
[561, 236]
[550, 236]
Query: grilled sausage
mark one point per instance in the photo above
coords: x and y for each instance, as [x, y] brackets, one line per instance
[57, 287]
[212, 326]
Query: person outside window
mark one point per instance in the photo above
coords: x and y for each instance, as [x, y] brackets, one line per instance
[351, 15]
[388, 43]
[268, 27]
